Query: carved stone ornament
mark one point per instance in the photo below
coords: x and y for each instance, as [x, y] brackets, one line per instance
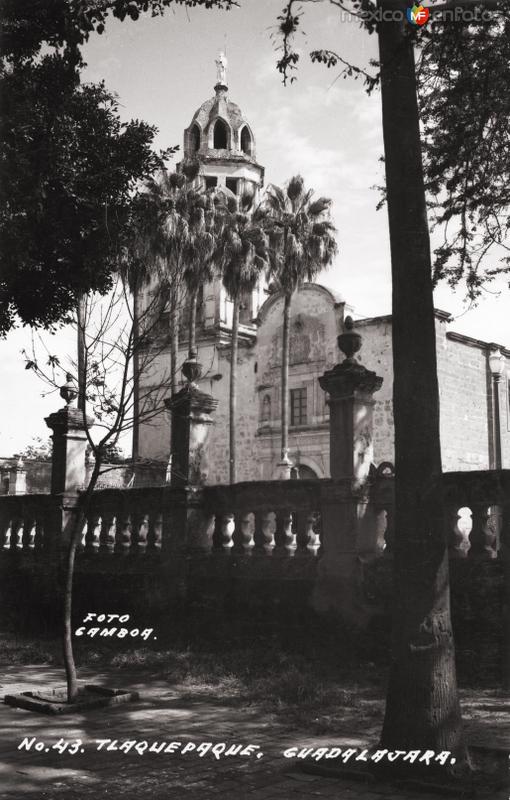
[349, 341]
[192, 369]
[69, 391]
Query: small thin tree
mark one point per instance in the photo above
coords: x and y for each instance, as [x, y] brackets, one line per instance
[111, 341]
[302, 243]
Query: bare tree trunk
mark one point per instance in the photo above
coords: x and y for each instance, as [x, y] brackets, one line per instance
[136, 375]
[174, 337]
[422, 707]
[233, 388]
[77, 528]
[82, 378]
[285, 376]
[193, 323]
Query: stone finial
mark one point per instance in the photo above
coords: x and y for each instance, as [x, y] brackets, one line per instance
[349, 341]
[192, 369]
[69, 391]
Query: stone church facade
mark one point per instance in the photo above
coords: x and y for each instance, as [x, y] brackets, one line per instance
[475, 412]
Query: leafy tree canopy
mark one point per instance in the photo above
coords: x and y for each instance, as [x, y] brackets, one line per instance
[26, 26]
[68, 165]
[67, 170]
[463, 70]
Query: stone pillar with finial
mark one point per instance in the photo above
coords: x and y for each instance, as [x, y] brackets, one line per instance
[348, 522]
[68, 470]
[68, 466]
[191, 411]
[350, 387]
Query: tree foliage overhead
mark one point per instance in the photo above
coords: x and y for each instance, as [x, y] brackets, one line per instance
[26, 26]
[463, 71]
[67, 169]
[464, 82]
[68, 165]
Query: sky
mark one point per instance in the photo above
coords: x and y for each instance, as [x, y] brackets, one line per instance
[322, 126]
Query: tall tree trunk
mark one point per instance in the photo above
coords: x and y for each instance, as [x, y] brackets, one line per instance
[285, 376]
[233, 388]
[422, 707]
[174, 337]
[136, 375]
[193, 323]
[81, 308]
[74, 539]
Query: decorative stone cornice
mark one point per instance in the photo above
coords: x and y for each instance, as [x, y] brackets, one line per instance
[67, 419]
[349, 377]
[191, 399]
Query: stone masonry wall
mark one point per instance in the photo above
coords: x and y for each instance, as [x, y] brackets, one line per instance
[464, 391]
[464, 386]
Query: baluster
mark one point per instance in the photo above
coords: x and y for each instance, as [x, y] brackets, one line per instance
[243, 534]
[155, 536]
[313, 540]
[458, 542]
[30, 529]
[8, 536]
[39, 536]
[264, 532]
[299, 524]
[20, 529]
[123, 538]
[285, 537]
[93, 534]
[107, 537]
[142, 532]
[226, 533]
[483, 536]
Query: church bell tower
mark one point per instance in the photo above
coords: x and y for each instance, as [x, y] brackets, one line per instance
[221, 139]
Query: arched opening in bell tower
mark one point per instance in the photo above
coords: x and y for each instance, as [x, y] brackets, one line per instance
[195, 138]
[246, 141]
[220, 140]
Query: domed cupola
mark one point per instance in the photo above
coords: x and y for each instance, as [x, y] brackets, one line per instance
[222, 140]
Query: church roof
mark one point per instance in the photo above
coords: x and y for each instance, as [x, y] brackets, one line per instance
[219, 106]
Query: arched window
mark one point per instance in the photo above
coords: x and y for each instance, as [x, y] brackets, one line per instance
[195, 138]
[220, 135]
[246, 142]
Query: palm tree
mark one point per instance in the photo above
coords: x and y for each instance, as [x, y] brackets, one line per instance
[169, 243]
[137, 264]
[198, 268]
[242, 257]
[302, 243]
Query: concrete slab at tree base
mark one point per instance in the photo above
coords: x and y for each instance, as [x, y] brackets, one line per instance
[53, 701]
[489, 774]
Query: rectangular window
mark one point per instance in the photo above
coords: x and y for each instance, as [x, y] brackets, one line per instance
[231, 183]
[298, 406]
[211, 182]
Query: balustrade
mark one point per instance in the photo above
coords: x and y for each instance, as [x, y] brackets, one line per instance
[25, 523]
[257, 519]
[476, 505]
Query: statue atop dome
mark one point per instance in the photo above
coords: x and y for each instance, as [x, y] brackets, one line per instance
[221, 69]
